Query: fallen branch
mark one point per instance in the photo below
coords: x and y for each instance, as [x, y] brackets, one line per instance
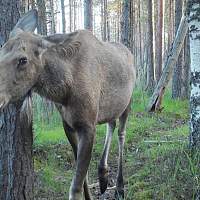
[163, 141]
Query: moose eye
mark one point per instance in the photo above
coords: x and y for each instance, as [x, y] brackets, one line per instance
[22, 61]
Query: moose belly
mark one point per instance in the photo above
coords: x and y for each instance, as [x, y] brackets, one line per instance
[113, 105]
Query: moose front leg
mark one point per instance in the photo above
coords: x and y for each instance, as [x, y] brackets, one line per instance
[86, 138]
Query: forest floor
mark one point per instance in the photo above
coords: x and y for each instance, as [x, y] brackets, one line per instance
[158, 164]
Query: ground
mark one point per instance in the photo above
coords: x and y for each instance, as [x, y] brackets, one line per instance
[157, 164]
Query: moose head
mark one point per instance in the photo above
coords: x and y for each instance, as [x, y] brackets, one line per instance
[22, 61]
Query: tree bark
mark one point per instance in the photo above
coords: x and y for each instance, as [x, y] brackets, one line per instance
[42, 20]
[194, 24]
[70, 15]
[16, 164]
[53, 25]
[150, 73]
[155, 100]
[186, 69]
[158, 46]
[105, 13]
[88, 16]
[63, 16]
[125, 23]
[177, 74]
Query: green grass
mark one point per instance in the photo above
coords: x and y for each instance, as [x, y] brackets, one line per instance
[55, 136]
[158, 163]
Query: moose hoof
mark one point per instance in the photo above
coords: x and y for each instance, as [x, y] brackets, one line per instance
[119, 194]
[103, 178]
[75, 195]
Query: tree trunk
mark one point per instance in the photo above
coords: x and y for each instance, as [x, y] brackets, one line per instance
[63, 16]
[171, 24]
[177, 74]
[70, 15]
[16, 164]
[88, 17]
[186, 69]
[150, 73]
[125, 23]
[42, 20]
[105, 20]
[158, 46]
[194, 24]
[53, 25]
[155, 101]
[16, 169]
[74, 14]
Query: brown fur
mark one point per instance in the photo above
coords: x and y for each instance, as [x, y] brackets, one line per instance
[91, 82]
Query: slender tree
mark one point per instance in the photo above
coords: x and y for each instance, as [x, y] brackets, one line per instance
[70, 15]
[63, 16]
[150, 72]
[125, 23]
[158, 46]
[194, 24]
[42, 20]
[88, 16]
[177, 73]
[186, 69]
[105, 18]
[53, 25]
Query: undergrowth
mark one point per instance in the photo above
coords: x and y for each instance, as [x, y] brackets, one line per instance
[158, 163]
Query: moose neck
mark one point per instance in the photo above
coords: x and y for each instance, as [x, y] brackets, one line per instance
[56, 80]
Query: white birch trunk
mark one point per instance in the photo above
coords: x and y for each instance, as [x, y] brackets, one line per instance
[194, 25]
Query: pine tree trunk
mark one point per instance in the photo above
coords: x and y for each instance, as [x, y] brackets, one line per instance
[70, 15]
[177, 74]
[88, 17]
[16, 164]
[63, 16]
[42, 20]
[74, 15]
[158, 46]
[53, 25]
[150, 73]
[194, 24]
[125, 23]
[186, 69]
[104, 20]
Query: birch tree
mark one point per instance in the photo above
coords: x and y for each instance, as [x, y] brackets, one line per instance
[194, 25]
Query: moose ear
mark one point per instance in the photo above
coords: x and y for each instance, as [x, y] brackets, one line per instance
[26, 23]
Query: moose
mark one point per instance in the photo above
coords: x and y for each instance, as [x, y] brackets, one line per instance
[91, 82]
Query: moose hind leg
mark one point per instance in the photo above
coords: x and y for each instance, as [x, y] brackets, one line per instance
[119, 193]
[103, 165]
[73, 140]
